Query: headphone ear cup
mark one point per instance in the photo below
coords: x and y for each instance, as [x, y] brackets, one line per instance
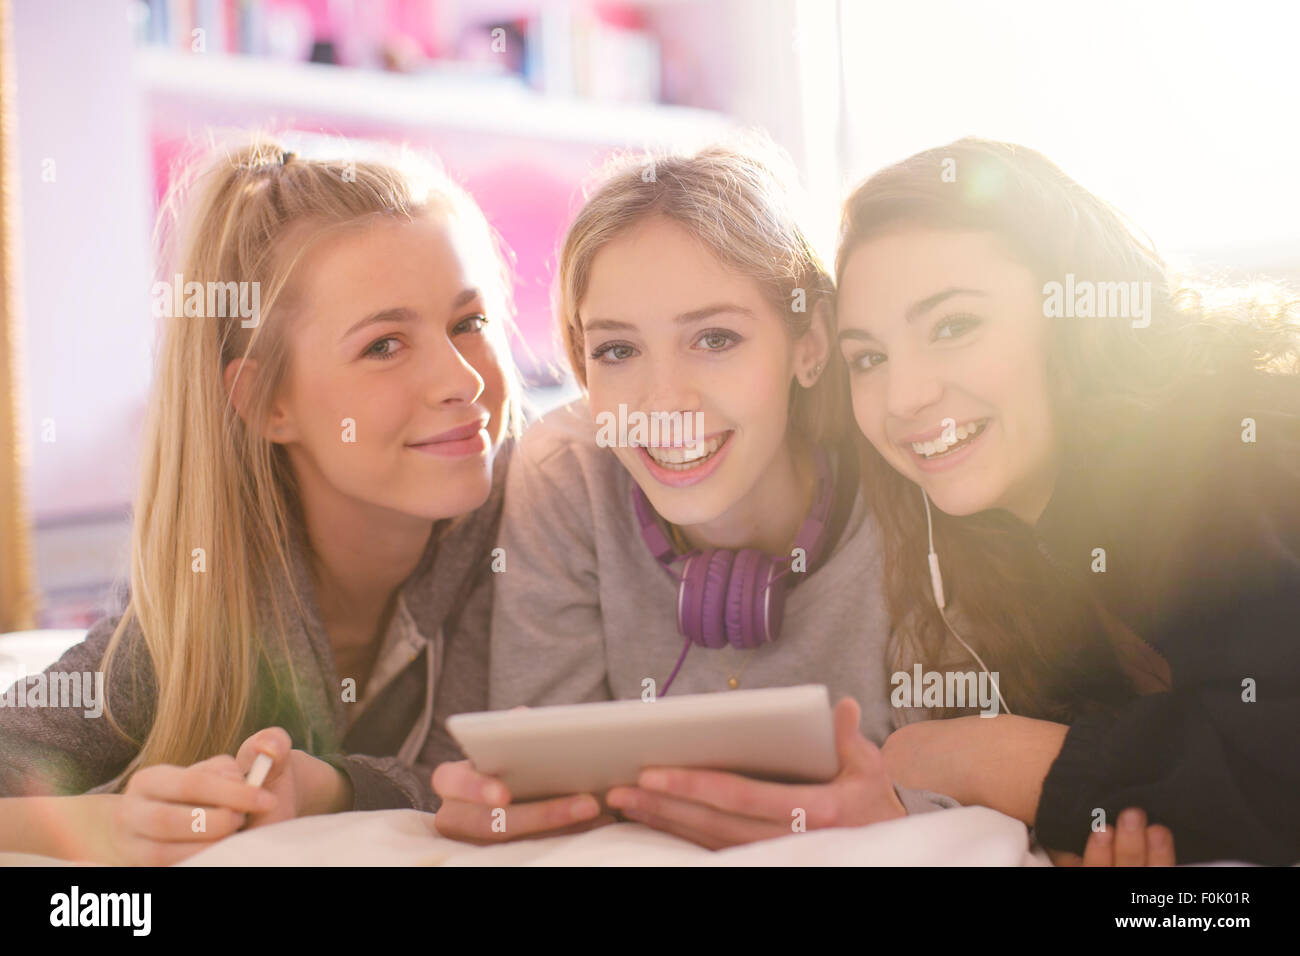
[764, 601]
[770, 602]
[744, 630]
[702, 601]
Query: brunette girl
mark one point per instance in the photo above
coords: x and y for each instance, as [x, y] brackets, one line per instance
[1112, 475]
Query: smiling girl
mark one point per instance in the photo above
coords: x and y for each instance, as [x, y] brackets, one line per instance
[687, 289]
[315, 510]
[1114, 508]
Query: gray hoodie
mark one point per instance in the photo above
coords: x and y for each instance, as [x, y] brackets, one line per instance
[433, 663]
[583, 612]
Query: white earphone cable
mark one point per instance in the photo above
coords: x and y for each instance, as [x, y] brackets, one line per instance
[936, 585]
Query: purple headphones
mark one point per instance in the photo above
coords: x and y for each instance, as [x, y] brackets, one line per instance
[734, 597]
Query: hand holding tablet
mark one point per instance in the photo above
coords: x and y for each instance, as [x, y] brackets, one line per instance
[782, 733]
[716, 792]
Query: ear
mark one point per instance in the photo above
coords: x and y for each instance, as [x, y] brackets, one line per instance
[239, 376]
[812, 351]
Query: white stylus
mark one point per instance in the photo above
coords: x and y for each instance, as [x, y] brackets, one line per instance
[261, 767]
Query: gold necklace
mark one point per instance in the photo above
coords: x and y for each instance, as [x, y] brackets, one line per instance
[733, 682]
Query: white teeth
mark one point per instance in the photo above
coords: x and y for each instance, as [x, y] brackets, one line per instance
[679, 458]
[939, 446]
[698, 450]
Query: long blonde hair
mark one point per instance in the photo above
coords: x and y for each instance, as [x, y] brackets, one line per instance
[731, 198]
[208, 479]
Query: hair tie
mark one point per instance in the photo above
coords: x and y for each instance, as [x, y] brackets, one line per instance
[285, 156]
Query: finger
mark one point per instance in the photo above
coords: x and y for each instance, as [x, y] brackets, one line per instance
[728, 827]
[733, 794]
[222, 764]
[176, 823]
[601, 821]
[1100, 849]
[1131, 838]
[458, 780]
[1160, 846]
[710, 841]
[856, 753]
[199, 786]
[472, 821]
[275, 742]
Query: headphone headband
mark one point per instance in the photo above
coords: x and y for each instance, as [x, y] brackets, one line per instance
[651, 533]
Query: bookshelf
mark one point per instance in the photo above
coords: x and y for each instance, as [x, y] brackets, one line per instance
[230, 88]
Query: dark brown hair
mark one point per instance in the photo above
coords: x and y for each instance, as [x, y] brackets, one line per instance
[1024, 617]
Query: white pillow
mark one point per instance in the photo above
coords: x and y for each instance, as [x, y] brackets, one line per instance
[30, 652]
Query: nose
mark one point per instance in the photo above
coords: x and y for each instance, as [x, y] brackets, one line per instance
[911, 387]
[452, 379]
[670, 388]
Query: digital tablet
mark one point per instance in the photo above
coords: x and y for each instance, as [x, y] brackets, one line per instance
[781, 733]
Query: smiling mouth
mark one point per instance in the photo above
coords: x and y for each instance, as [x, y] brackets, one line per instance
[686, 457]
[963, 435]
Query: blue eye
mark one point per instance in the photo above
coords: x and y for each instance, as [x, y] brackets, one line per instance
[719, 340]
[613, 353]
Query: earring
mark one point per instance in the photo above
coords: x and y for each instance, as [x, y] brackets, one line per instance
[813, 375]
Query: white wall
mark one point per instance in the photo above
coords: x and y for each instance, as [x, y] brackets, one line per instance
[84, 294]
[1180, 112]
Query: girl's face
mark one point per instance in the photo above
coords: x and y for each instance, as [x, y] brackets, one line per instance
[668, 329]
[946, 339]
[395, 393]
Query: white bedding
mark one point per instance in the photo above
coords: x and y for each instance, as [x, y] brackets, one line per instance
[969, 836]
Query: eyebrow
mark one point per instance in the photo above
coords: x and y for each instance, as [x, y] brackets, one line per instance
[686, 318]
[914, 310]
[925, 305]
[403, 314]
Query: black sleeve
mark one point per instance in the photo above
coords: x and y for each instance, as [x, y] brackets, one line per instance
[1216, 561]
[385, 783]
[1222, 773]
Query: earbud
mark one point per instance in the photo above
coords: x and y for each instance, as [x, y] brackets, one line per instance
[936, 579]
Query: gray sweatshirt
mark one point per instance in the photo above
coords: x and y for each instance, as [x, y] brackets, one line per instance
[584, 612]
[432, 664]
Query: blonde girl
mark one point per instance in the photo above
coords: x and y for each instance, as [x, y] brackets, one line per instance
[687, 289]
[316, 503]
